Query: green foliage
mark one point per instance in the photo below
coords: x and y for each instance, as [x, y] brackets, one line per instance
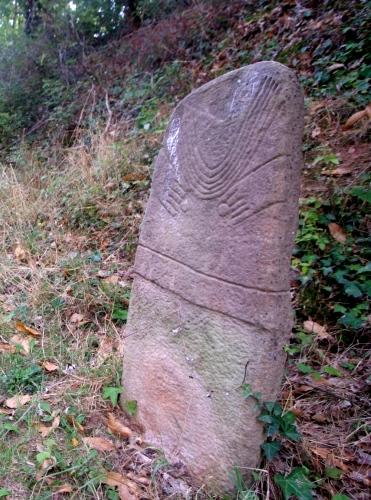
[112, 393]
[296, 484]
[335, 276]
[21, 376]
[344, 71]
[242, 492]
[131, 407]
[333, 473]
[278, 424]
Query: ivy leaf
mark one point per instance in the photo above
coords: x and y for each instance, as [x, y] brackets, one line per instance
[131, 407]
[362, 193]
[331, 370]
[303, 368]
[295, 484]
[352, 289]
[4, 492]
[271, 449]
[333, 473]
[112, 393]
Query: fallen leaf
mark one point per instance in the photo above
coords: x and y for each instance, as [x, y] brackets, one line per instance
[125, 493]
[17, 401]
[99, 443]
[46, 465]
[134, 177]
[118, 480]
[316, 132]
[5, 411]
[337, 232]
[49, 367]
[64, 488]
[23, 342]
[321, 418]
[113, 280]
[104, 351]
[339, 171]
[75, 424]
[356, 117]
[319, 330]
[45, 430]
[7, 347]
[74, 442]
[20, 253]
[21, 327]
[77, 318]
[116, 427]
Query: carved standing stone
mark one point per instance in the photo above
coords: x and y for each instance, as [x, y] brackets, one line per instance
[210, 307]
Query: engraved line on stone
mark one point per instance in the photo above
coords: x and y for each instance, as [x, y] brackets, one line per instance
[241, 218]
[264, 93]
[219, 172]
[172, 211]
[211, 276]
[233, 167]
[251, 129]
[174, 196]
[252, 171]
[240, 210]
[229, 208]
[178, 294]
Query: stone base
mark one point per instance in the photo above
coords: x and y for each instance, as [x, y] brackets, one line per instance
[184, 365]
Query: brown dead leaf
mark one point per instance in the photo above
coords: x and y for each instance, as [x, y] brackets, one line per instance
[104, 351]
[5, 411]
[125, 493]
[64, 488]
[74, 442]
[49, 367]
[134, 177]
[356, 117]
[319, 330]
[112, 280]
[7, 347]
[47, 464]
[337, 232]
[320, 452]
[18, 401]
[77, 318]
[316, 132]
[75, 424]
[21, 327]
[99, 443]
[20, 253]
[321, 418]
[116, 427]
[118, 480]
[339, 171]
[23, 342]
[45, 430]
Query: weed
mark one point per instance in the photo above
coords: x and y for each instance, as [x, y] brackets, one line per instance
[21, 376]
[277, 423]
[335, 274]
